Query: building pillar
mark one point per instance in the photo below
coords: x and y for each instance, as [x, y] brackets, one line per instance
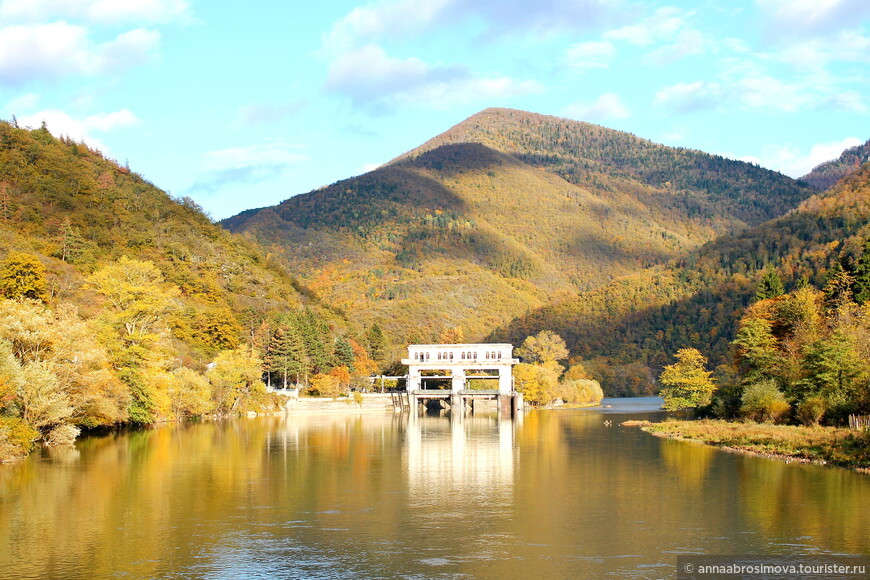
[457, 381]
[504, 380]
[413, 380]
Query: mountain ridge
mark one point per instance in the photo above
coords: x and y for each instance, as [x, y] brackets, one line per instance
[513, 202]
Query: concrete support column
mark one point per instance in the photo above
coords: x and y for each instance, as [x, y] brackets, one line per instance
[414, 380]
[457, 381]
[517, 409]
[504, 380]
[504, 405]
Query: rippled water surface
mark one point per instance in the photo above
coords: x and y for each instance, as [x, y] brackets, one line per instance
[557, 495]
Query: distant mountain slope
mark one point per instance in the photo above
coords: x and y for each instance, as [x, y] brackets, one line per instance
[505, 212]
[697, 301]
[76, 210]
[830, 172]
[583, 154]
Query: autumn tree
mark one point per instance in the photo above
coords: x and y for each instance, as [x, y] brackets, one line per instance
[140, 301]
[686, 384]
[190, 393]
[537, 382]
[452, 335]
[235, 376]
[139, 297]
[838, 286]
[544, 347]
[22, 276]
[756, 348]
[325, 385]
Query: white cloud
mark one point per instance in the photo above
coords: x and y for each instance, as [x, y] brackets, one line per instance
[662, 26]
[60, 124]
[376, 21]
[266, 113]
[247, 165]
[688, 97]
[128, 49]
[795, 163]
[23, 103]
[374, 80]
[666, 36]
[47, 50]
[756, 92]
[607, 106]
[95, 11]
[50, 51]
[797, 18]
[815, 53]
[367, 23]
[688, 42]
[590, 55]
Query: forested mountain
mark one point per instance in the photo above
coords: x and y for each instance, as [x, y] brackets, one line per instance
[830, 172]
[120, 304]
[76, 211]
[505, 212]
[634, 325]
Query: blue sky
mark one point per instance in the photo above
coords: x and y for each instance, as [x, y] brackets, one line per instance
[244, 104]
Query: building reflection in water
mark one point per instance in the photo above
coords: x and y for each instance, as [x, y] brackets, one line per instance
[465, 459]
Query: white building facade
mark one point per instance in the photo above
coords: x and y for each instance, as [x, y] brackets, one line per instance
[459, 362]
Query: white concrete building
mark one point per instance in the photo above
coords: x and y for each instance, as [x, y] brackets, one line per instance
[456, 361]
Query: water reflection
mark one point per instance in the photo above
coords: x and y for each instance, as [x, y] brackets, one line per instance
[472, 456]
[560, 495]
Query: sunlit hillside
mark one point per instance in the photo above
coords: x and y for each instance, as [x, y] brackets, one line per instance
[77, 211]
[507, 212]
[696, 302]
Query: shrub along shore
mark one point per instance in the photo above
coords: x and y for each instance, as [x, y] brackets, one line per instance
[824, 445]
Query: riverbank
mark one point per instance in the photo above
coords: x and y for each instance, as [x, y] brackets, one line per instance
[822, 445]
[369, 402]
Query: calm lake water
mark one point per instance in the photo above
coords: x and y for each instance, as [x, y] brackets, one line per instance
[556, 495]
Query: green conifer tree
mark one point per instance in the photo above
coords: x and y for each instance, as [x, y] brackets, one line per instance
[861, 275]
[770, 285]
[344, 353]
[286, 354]
[377, 343]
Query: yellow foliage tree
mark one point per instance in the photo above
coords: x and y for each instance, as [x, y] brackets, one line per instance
[325, 385]
[236, 379]
[537, 382]
[22, 276]
[686, 383]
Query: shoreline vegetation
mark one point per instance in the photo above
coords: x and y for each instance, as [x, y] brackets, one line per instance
[836, 446]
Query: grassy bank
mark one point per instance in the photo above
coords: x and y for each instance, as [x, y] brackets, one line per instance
[828, 445]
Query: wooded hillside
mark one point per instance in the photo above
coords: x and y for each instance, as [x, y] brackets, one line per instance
[506, 212]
